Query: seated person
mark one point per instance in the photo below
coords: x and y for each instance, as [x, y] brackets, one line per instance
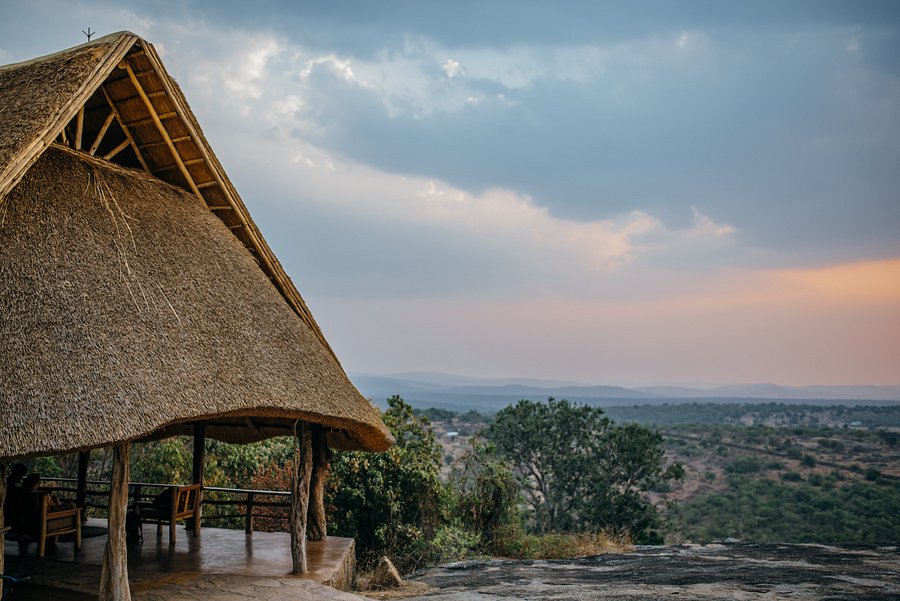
[31, 504]
[164, 499]
[14, 480]
[12, 504]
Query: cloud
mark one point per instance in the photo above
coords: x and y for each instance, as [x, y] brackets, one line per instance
[452, 68]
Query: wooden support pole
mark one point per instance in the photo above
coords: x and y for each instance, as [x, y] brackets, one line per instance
[126, 131]
[124, 144]
[197, 472]
[79, 128]
[248, 517]
[84, 458]
[162, 130]
[2, 519]
[109, 119]
[300, 495]
[316, 528]
[114, 571]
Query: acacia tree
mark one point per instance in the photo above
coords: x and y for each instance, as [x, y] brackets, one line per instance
[580, 471]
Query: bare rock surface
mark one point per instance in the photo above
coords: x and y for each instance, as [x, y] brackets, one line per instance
[740, 571]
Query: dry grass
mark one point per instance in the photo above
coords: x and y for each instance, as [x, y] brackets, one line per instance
[117, 324]
[409, 588]
[565, 546]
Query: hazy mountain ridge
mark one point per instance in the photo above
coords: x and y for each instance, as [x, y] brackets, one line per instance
[463, 392]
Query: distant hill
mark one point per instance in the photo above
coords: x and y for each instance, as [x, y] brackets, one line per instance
[776, 392]
[462, 393]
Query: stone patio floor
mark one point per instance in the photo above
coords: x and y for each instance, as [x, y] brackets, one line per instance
[219, 565]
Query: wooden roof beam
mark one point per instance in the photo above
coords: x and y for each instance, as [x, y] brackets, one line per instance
[163, 142]
[99, 138]
[156, 94]
[125, 144]
[187, 163]
[127, 132]
[162, 130]
[148, 120]
[79, 128]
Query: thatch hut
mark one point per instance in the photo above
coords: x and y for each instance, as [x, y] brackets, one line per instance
[138, 298]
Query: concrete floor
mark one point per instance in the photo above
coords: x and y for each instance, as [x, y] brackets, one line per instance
[155, 564]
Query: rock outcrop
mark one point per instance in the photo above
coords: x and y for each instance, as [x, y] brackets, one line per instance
[734, 571]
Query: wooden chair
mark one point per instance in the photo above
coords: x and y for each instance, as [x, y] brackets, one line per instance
[186, 502]
[56, 522]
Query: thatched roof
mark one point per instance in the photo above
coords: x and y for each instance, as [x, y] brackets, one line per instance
[138, 298]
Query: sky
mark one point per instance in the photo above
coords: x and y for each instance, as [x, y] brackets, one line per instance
[622, 193]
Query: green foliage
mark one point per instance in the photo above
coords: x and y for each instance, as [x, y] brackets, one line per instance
[791, 477]
[872, 474]
[392, 503]
[486, 495]
[767, 511]
[744, 464]
[167, 460]
[889, 438]
[580, 471]
[709, 413]
[435, 414]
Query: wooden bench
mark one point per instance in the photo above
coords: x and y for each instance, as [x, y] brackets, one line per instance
[186, 502]
[56, 522]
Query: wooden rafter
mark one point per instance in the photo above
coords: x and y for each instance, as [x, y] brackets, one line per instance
[163, 142]
[125, 144]
[79, 127]
[149, 120]
[162, 130]
[99, 138]
[128, 135]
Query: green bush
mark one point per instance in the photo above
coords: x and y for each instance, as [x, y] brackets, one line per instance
[392, 503]
[766, 511]
[744, 464]
[872, 474]
[486, 494]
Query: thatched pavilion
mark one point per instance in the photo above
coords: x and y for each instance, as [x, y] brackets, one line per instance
[138, 299]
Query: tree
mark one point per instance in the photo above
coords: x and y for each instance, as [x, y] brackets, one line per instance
[581, 471]
[393, 502]
[486, 494]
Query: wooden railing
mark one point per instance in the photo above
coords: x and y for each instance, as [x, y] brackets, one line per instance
[214, 496]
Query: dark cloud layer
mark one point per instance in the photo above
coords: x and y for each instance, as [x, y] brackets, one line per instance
[790, 137]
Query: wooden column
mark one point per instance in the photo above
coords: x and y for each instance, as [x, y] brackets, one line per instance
[199, 460]
[2, 518]
[114, 571]
[316, 528]
[84, 458]
[302, 472]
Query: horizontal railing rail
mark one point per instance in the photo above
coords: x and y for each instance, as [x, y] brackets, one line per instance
[251, 500]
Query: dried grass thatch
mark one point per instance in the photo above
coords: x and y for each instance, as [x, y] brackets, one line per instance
[129, 309]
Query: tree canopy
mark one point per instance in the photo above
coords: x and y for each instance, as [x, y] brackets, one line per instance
[580, 471]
